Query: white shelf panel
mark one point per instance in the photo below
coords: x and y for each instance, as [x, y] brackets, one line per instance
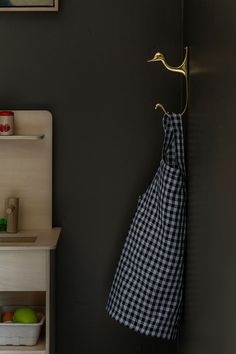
[22, 137]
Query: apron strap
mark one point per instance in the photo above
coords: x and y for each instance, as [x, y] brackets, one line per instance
[173, 146]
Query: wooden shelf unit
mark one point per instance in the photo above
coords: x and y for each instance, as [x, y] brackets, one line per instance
[27, 257]
[33, 261]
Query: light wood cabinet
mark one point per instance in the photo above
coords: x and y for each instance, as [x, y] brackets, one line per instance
[27, 257]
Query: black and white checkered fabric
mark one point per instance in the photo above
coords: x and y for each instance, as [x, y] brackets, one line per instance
[146, 293]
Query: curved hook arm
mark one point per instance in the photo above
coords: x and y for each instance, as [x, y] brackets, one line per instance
[159, 105]
[182, 69]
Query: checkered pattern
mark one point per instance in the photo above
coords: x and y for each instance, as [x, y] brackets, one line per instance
[146, 293]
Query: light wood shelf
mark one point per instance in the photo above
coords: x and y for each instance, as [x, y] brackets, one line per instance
[45, 239]
[22, 137]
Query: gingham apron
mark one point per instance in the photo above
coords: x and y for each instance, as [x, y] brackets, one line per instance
[146, 293]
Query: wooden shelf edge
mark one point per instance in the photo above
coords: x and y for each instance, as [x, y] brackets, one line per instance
[45, 239]
[22, 137]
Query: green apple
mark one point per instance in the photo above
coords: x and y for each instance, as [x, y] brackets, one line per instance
[25, 315]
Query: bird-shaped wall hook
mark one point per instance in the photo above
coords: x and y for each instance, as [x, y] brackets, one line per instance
[182, 69]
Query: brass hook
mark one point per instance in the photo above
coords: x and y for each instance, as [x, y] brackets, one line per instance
[182, 69]
[159, 105]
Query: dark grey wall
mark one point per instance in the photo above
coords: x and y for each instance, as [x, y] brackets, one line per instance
[210, 313]
[87, 64]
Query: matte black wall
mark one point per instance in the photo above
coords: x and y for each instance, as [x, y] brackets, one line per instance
[210, 313]
[87, 64]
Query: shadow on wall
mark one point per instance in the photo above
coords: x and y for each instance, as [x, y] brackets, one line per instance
[5, 2]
